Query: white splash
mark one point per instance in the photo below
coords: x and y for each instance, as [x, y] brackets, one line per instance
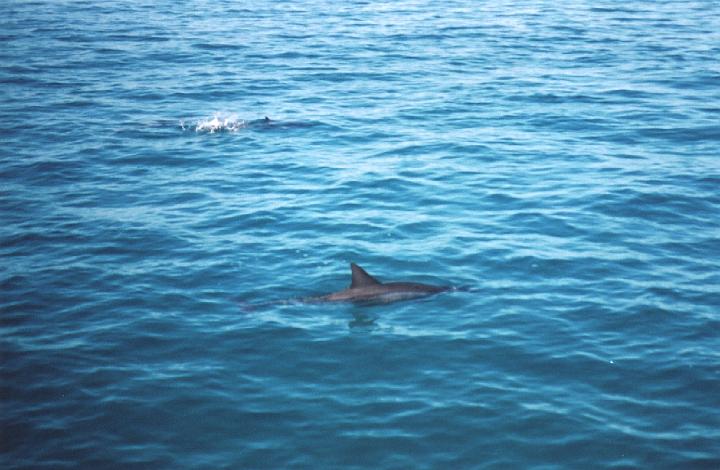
[218, 123]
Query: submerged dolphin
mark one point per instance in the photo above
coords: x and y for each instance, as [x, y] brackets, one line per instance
[366, 289]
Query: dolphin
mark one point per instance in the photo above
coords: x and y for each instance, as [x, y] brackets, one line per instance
[365, 289]
[273, 124]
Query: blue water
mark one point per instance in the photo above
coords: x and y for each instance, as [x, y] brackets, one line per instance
[559, 160]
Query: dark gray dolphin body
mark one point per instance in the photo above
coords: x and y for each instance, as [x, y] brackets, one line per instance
[265, 122]
[271, 124]
[365, 289]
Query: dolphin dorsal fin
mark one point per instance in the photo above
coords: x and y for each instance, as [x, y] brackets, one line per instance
[360, 278]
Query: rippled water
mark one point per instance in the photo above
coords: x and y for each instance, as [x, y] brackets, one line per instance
[560, 161]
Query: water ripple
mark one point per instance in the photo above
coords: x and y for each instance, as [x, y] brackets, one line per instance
[557, 163]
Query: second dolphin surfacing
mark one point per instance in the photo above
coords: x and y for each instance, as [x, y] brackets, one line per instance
[365, 289]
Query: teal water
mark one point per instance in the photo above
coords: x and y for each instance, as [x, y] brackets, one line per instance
[561, 161]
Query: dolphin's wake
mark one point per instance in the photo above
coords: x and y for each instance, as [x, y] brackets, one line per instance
[232, 124]
[218, 123]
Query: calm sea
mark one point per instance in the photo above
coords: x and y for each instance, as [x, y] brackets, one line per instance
[558, 160]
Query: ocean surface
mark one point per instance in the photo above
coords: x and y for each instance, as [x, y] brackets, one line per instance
[557, 161]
